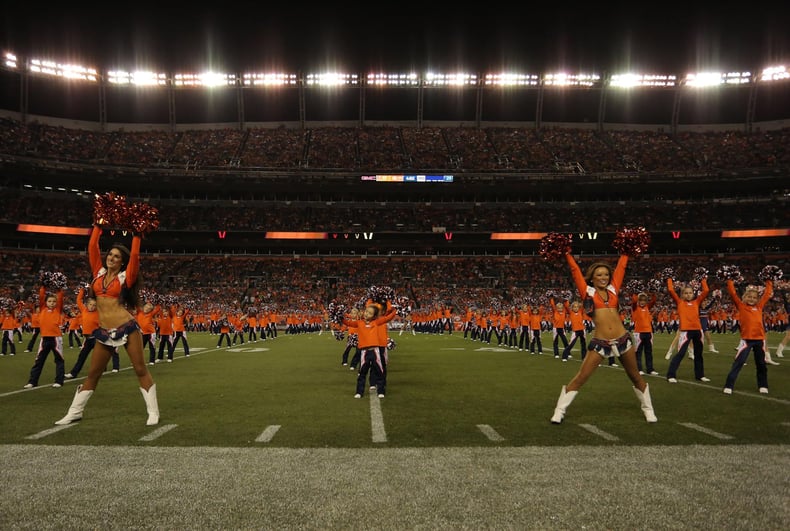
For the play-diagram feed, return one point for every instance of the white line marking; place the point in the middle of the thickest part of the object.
(377, 420)
(268, 433)
(599, 432)
(706, 431)
(158, 432)
(490, 432)
(42, 434)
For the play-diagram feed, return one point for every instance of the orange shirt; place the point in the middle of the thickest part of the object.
(367, 331)
(90, 319)
(146, 320)
(75, 322)
(643, 315)
(50, 319)
(577, 320)
(535, 321)
(165, 324)
(178, 320)
(751, 317)
(688, 311)
(558, 316)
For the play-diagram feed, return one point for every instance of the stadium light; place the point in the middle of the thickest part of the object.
(393, 80)
(562, 79)
(511, 79)
(10, 61)
(457, 79)
(255, 79)
(631, 80)
(331, 79)
(139, 78)
(64, 70)
(774, 73)
(713, 79)
(206, 79)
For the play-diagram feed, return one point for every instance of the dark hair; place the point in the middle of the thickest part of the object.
(130, 296)
(591, 270)
(125, 254)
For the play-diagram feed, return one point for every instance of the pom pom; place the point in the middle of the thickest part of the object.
(668, 272)
(403, 306)
(554, 245)
(147, 295)
(634, 287)
(631, 241)
(391, 344)
(381, 294)
(6, 303)
(700, 273)
(565, 295)
(729, 272)
(53, 280)
(655, 285)
(337, 312)
(109, 209)
(770, 272)
(141, 218)
(353, 340)
(340, 335)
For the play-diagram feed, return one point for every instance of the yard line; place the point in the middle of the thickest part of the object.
(42, 434)
(599, 432)
(490, 432)
(377, 420)
(706, 431)
(268, 433)
(158, 432)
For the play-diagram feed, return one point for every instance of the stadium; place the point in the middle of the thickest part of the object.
(286, 193)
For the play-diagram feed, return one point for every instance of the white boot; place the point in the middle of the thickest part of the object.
(563, 402)
(77, 407)
(768, 359)
(779, 350)
(151, 405)
(647, 404)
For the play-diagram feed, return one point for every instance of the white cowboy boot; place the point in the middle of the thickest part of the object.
(563, 402)
(647, 403)
(77, 407)
(151, 405)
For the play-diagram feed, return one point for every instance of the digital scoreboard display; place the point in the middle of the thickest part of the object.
(403, 178)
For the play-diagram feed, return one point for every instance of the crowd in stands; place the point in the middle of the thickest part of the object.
(57, 208)
(296, 284)
(387, 148)
(286, 283)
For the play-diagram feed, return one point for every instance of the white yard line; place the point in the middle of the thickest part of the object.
(706, 431)
(158, 432)
(490, 432)
(599, 432)
(268, 433)
(50, 431)
(379, 434)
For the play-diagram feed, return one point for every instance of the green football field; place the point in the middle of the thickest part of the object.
(443, 391)
(268, 436)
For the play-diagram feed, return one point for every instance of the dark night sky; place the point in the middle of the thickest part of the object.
(737, 36)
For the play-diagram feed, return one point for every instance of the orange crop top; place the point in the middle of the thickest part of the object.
(125, 278)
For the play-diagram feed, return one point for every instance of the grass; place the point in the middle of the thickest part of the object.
(440, 388)
(436, 470)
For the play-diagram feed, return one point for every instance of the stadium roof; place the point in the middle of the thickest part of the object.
(659, 37)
